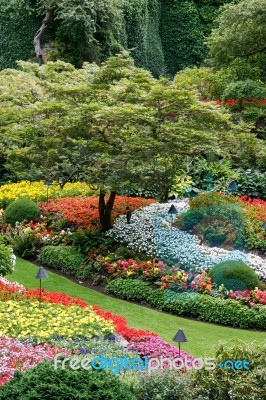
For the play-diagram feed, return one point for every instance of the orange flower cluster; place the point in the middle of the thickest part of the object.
(83, 211)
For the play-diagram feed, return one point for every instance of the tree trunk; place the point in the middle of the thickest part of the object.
(165, 194)
(38, 36)
(105, 210)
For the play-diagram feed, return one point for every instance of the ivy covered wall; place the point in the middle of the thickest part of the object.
(164, 35)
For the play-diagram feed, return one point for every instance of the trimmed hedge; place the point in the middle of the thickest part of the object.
(63, 258)
(202, 307)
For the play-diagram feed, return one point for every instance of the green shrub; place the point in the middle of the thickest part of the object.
(24, 245)
(168, 385)
(190, 219)
(130, 289)
(243, 384)
(193, 305)
(212, 199)
(6, 264)
(235, 275)
(20, 210)
(44, 382)
(92, 241)
(252, 183)
(64, 258)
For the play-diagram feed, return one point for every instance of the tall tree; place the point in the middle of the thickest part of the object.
(102, 124)
(241, 34)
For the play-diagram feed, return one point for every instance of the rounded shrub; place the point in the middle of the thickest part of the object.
(44, 382)
(234, 275)
(23, 209)
(190, 219)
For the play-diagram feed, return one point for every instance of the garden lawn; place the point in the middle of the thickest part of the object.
(201, 336)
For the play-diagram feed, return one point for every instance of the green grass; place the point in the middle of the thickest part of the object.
(201, 336)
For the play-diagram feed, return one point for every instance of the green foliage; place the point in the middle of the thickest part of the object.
(92, 241)
(142, 23)
(212, 199)
(167, 385)
(64, 258)
(191, 305)
(18, 24)
(133, 289)
(252, 183)
(243, 90)
(24, 245)
(189, 219)
(240, 36)
(212, 174)
(20, 210)
(244, 384)
(234, 275)
(44, 382)
(181, 35)
(6, 266)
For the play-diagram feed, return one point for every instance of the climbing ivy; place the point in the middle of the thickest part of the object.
(181, 35)
(165, 35)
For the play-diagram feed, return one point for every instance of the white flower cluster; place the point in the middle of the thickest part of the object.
(17, 285)
(150, 232)
(138, 235)
(13, 258)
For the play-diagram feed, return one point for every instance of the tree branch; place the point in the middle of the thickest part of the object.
(252, 52)
(39, 33)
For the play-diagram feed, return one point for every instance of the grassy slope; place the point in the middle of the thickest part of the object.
(201, 336)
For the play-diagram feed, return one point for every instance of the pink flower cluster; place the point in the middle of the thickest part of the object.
(154, 347)
(15, 355)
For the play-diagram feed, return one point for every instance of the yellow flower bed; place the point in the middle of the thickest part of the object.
(38, 191)
(46, 320)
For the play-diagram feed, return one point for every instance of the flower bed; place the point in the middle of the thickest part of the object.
(37, 191)
(83, 211)
(48, 320)
(152, 233)
(18, 356)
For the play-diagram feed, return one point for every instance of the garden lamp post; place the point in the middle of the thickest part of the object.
(47, 183)
(264, 225)
(41, 274)
(180, 338)
(232, 187)
(128, 215)
(172, 211)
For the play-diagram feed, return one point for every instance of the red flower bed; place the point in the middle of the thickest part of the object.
(121, 327)
(83, 211)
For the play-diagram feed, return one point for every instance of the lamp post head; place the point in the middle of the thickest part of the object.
(180, 337)
(232, 187)
(193, 193)
(172, 210)
(48, 182)
(41, 274)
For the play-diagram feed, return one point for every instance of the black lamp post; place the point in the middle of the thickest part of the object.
(264, 225)
(172, 211)
(128, 215)
(193, 193)
(47, 183)
(41, 274)
(232, 187)
(180, 338)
